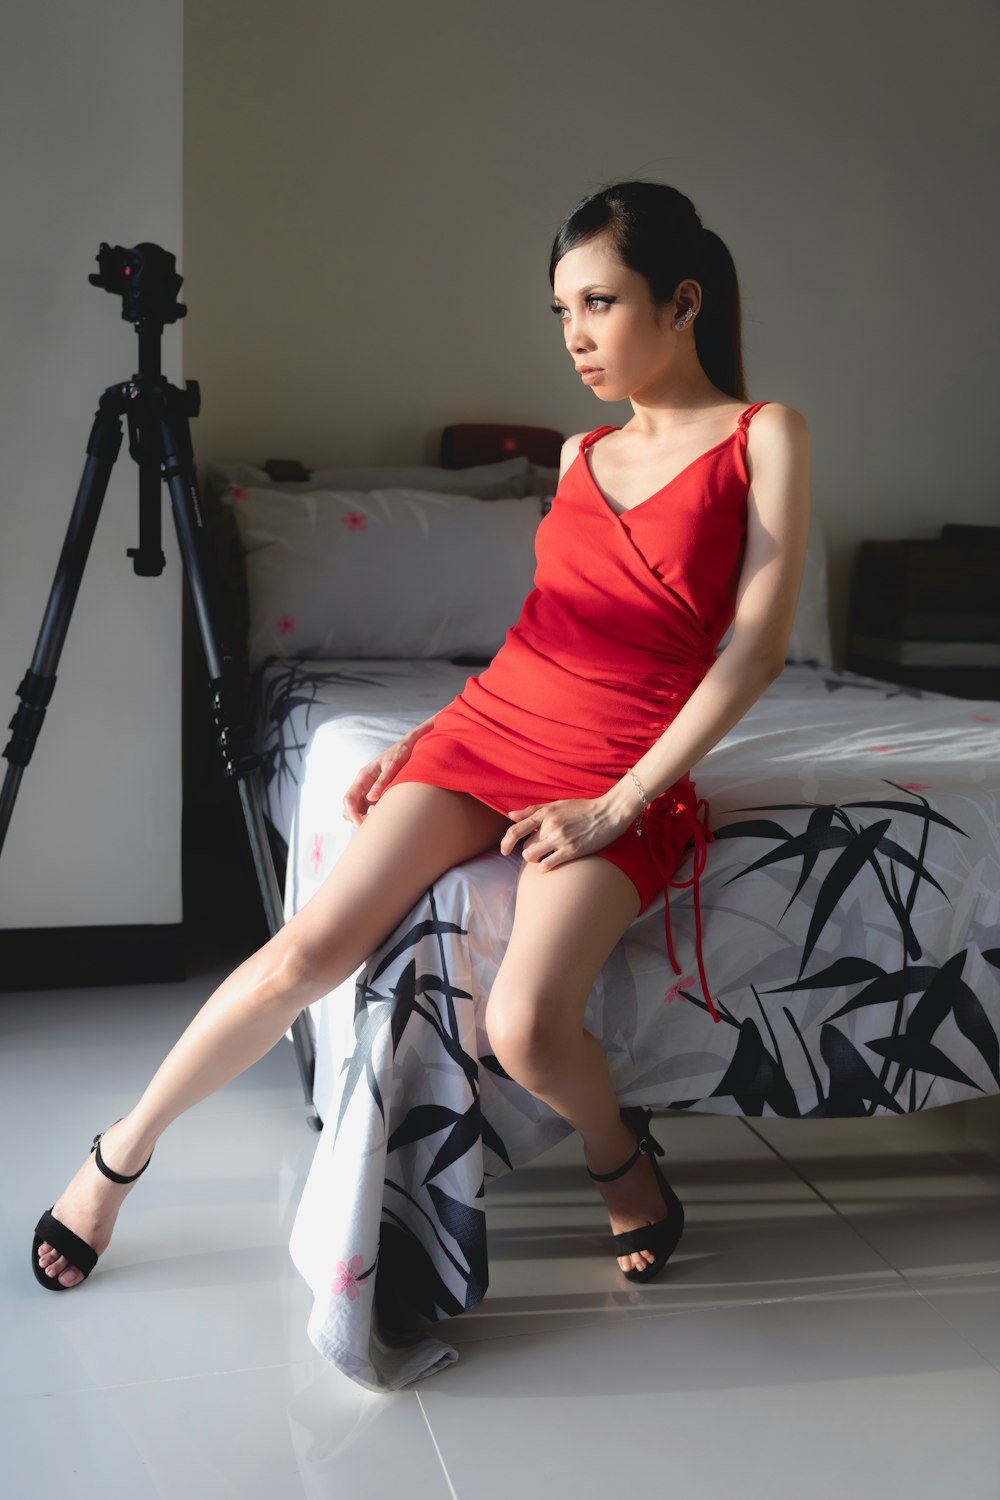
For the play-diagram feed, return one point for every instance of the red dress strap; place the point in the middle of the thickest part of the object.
(590, 437)
(746, 417)
(703, 836)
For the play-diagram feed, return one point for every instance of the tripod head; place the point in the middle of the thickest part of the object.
(144, 278)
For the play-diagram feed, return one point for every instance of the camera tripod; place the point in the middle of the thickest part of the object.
(160, 443)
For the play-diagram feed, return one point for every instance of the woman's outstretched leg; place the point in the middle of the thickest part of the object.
(413, 834)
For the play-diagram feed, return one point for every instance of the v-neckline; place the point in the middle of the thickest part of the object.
(615, 516)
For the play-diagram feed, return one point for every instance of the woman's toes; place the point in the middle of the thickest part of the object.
(61, 1270)
(637, 1261)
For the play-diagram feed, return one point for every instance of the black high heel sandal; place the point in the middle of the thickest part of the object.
(663, 1236)
(54, 1232)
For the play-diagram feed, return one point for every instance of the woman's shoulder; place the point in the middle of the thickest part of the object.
(777, 416)
(570, 449)
(572, 443)
(778, 434)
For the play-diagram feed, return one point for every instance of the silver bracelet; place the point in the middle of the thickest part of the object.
(645, 804)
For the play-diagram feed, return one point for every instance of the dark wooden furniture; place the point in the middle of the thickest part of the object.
(926, 613)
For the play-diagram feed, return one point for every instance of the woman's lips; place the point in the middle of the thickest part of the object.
(589, 376)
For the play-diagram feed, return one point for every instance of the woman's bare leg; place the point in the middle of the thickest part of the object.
(409, 837)
(567, 920)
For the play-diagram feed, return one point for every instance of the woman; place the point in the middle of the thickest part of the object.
(662, 533)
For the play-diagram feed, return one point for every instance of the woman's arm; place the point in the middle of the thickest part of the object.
(778, 507)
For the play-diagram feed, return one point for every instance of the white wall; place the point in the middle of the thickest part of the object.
(371, 192)
(91, 137)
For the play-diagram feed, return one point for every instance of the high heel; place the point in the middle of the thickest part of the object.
(663, 1236)
(54, 1232)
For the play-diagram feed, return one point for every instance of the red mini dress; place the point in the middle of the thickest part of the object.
(620, 628)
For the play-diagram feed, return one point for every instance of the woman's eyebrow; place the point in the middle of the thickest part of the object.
(583, 291)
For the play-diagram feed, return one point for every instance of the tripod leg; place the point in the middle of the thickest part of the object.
(227, 680)
(37, 686)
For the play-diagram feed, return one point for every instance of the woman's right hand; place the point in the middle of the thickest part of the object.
(367, 786)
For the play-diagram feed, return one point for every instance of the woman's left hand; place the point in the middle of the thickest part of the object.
(556, 832)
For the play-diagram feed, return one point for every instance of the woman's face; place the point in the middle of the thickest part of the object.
(611, 323)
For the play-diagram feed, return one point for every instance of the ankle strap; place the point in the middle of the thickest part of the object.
(102, 1164)
(640, 1150)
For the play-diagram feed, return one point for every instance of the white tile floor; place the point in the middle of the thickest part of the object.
(829, 1326)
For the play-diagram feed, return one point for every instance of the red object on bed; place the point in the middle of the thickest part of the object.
(467, 443)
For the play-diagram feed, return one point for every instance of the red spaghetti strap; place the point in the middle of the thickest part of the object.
(590, 437)
(670, 940)
(703, 836)
(746, 416)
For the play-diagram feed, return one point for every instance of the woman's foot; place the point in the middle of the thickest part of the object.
(89, 1204)
(633, 1199)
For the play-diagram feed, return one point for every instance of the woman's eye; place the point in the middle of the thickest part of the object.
(559, 310)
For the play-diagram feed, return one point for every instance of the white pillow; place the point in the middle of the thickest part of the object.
(383, 573)
(508, 479)
(810, 638)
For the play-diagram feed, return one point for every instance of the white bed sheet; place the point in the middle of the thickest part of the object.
(851, 919)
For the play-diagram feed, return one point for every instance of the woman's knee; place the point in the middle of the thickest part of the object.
(284, 971)
(408, 839)
(523, 1031)
(306, 961)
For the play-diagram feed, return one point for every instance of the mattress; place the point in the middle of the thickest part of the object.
(851, 919)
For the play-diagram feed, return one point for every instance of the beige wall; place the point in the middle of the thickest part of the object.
(371, 191)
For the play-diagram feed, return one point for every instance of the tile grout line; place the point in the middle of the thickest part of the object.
(818, 1193)
(736, 1304)
(447, 1477)
(956, 1328)
(928, 1304)
(128, 1385)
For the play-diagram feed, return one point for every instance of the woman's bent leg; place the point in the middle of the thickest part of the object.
(410, 836)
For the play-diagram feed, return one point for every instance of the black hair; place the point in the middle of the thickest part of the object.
(655, 230)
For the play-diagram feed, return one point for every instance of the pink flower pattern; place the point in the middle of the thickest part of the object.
(347, 1278)
(286, 625)
(317, 852)
(984, 719)
(355, 522)
(673, 992)
(916, 786)
(891, 749)
(237, 492)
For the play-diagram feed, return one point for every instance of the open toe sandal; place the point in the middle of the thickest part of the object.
(54, 1232)
(663, 1236)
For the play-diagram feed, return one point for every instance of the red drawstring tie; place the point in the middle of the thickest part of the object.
(703, 836)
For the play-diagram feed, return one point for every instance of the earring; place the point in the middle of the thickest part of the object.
(686, 318)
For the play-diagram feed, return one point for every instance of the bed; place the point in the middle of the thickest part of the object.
(850, 900)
